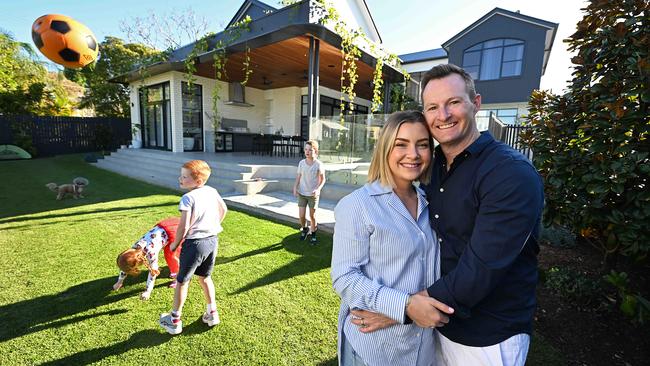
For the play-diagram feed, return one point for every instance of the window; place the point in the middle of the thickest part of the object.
(155, 114)
(494, 59)
(192, 117)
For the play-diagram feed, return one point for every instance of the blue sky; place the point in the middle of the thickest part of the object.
(405, 26)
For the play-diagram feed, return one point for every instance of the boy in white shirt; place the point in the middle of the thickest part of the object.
(202, 211)
(310, 179)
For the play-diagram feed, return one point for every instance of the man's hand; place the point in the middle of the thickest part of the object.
(428, 312)
(369, 322)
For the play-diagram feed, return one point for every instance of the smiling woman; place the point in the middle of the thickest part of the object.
(385, 251)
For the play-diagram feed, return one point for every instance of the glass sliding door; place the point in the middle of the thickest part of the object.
(155, 108)
(192, 117)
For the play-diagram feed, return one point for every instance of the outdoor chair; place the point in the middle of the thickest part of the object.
(296, 145)
(262, 145)
(281, 145)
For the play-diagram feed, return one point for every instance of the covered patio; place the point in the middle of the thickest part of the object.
(295, 80)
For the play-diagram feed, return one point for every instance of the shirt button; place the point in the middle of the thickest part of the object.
(439, 240)
(442, 189)
(436, 216)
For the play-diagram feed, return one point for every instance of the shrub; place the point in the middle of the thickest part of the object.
(591, 144)
(573, 285)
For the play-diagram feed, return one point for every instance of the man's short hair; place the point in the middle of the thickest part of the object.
(442, 70)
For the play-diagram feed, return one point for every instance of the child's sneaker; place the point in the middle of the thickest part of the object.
(303, 233)
(173, 284)
(211, 319)
(172, 327)
(312, 240)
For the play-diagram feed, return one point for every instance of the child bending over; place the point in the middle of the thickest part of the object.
(145, 253)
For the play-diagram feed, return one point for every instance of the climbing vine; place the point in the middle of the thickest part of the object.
(350, 53)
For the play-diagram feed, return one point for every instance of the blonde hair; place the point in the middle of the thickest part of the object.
(199, 169)
(379, 168)
(130, 261)
(313, 144)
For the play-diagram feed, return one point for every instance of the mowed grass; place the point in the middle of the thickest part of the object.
(274, 294)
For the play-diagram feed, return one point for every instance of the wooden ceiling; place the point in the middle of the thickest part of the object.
(285, 64)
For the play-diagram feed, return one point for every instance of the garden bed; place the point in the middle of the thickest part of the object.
(576, 314)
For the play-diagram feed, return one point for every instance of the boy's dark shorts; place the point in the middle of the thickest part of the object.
(197, 258)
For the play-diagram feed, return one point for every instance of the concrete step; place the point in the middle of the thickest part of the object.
(163, 178)
(283, 207)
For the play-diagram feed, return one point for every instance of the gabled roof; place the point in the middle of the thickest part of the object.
(371, 21)
(551, 29)
(426, 55)
(254, 8)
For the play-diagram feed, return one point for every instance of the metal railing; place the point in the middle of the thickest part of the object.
(509, 134)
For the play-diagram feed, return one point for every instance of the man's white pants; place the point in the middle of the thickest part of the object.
(511, 352)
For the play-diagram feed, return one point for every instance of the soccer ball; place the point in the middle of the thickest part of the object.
(64, 40)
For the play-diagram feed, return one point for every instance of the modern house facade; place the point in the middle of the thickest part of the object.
(296, 70)
(505, 52)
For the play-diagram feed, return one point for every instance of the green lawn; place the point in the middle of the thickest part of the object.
(274, 294)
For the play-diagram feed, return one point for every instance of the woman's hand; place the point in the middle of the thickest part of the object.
(369, 322)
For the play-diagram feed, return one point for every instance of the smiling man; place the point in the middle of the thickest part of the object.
(485, 204)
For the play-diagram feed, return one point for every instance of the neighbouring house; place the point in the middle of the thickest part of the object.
(295, 84)
(505, 52)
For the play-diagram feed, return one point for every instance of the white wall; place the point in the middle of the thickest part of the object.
(424, 65)
(284, 109)
(355, 15)
(254, 115)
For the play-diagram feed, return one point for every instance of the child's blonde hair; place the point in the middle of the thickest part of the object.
(313, 144)
(199, 169)
(130, 261)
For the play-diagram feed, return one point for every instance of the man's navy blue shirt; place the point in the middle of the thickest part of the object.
(486, 211)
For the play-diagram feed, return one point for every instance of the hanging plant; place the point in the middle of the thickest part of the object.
(351, 53)
(247, 66)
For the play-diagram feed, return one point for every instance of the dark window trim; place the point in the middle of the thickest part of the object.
(502, 47)
(166, 97)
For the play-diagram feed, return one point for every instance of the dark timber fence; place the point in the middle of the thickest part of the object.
(64, 135)
(509, 134)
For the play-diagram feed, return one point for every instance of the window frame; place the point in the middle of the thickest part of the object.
(481, 48)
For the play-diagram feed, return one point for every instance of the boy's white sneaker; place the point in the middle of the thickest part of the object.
(166, 321)
(211, 319)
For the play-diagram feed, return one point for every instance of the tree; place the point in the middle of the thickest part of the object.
(116, 58)
(591, 144)
(25, 87)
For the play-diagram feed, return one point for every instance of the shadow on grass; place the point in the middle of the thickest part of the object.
(311, 258)
(76, 213)
(53, 311)
(142, 339)
(331, 362)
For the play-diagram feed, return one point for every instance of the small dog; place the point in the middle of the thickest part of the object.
(75, 189)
